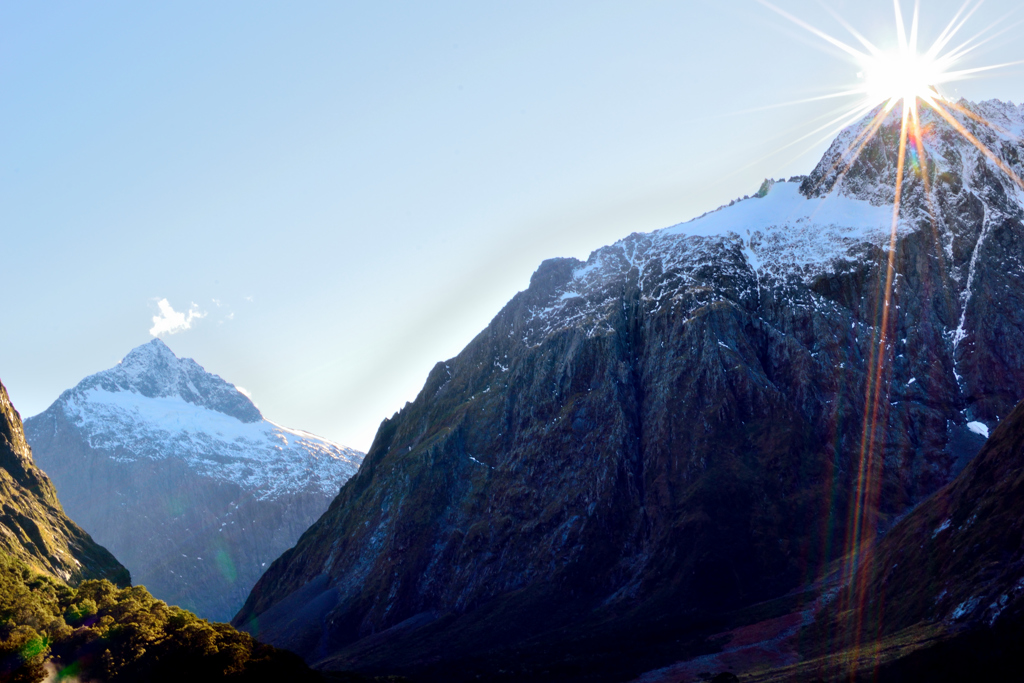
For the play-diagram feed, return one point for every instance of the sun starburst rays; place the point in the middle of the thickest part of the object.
(904, 72)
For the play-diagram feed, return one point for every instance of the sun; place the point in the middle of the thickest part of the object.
(905, 73)
(900, 75)
(909, 76)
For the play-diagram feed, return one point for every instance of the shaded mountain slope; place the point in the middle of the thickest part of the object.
(943, 591)
(179, 474)
(671, 429)
(33, 526)
(958, 559)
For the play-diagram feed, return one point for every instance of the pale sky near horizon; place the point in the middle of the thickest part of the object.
(345, 193)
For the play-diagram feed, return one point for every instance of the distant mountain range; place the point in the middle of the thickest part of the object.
(180, 476)
(643, 469)
(642, 448)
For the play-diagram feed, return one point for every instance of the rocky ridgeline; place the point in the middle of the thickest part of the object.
(672, 429)
(179, 474)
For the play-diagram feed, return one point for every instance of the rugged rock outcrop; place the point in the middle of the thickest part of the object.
(33, 526)
(673, 428)
(178, 473)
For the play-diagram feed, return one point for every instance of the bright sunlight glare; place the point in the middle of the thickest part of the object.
(893, 76)
(903, 73)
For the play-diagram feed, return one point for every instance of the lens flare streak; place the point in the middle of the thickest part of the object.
(909, 78)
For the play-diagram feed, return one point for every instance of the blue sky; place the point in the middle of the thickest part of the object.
(345, 193)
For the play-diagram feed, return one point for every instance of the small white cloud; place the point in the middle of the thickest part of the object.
(245, 392)
(216, 302)
(231, 315)
(249, 299)
(171, 321)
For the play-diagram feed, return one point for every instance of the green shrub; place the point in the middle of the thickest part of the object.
(100, 632)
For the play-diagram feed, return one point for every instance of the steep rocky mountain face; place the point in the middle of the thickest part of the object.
(33, 526)
(673, 428)
(179, 474)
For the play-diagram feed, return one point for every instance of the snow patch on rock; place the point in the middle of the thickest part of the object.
(978, 428)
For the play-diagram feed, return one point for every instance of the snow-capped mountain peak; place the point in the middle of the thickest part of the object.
(154, 405)
(153, 371)
(863, 166)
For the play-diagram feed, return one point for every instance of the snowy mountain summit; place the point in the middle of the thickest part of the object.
(152, 370)
(182, 478)
(792, 234)
(155, 405)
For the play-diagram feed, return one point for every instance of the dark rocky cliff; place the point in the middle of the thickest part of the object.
(671, 429)
(33, 526)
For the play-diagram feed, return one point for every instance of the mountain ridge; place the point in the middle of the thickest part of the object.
(956, 559)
